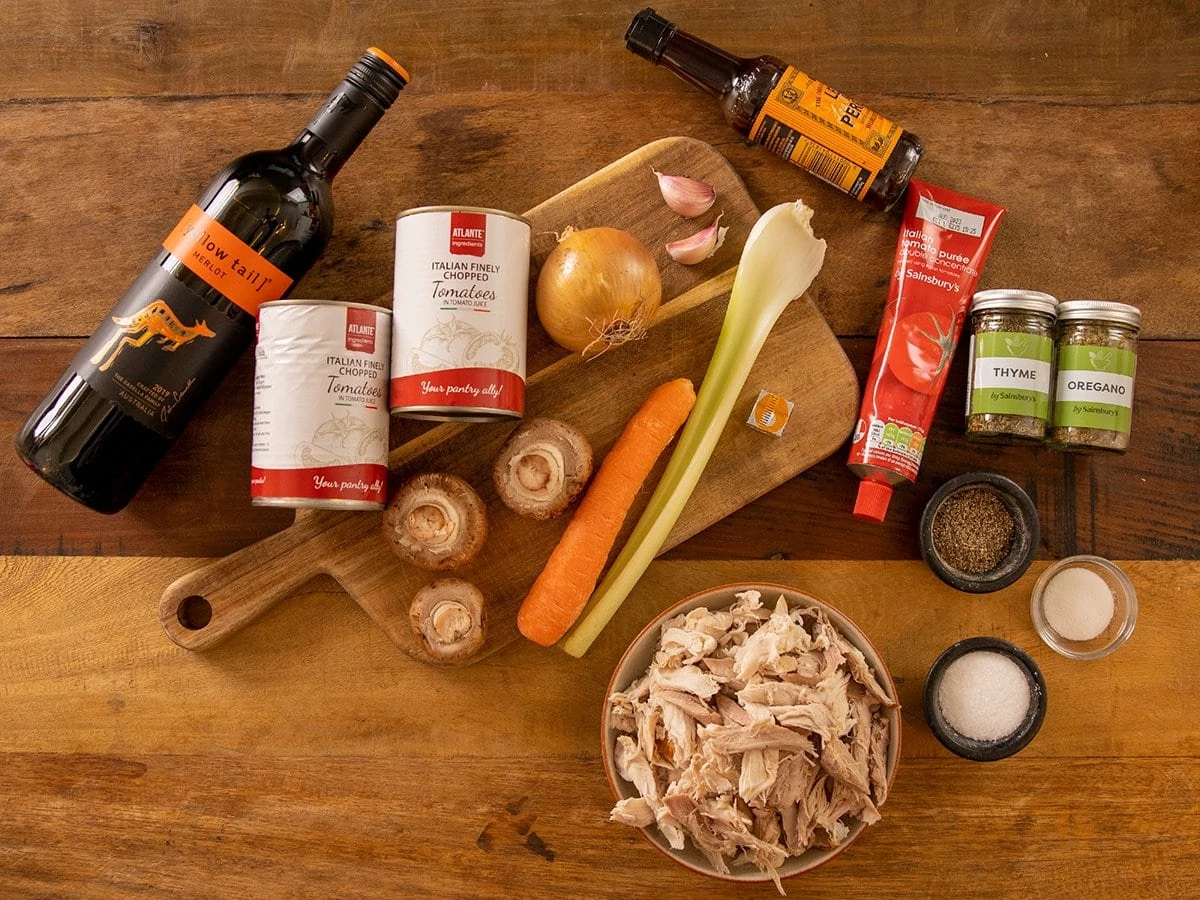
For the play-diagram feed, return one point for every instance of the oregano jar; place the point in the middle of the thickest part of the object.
(1096, 355)
(1011, 361)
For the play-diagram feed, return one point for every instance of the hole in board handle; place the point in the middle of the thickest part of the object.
(194, 612)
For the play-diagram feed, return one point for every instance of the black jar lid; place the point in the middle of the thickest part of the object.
(1026, 533)
(972, 748)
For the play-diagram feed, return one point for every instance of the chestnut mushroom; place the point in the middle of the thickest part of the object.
(447, 615)
(436, 521)
(542, 467)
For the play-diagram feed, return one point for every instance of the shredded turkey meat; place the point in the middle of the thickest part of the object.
(756, 733)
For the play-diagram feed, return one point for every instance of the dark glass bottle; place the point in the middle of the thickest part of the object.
(190, 313)
(806, 122)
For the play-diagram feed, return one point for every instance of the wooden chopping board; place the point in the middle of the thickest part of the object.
(801, 360)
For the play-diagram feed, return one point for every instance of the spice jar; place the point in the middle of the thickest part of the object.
(1096, 354)
(1011, 354)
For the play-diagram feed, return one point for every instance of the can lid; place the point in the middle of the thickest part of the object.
(1007, 298)
(1102, 310)
(872, 500)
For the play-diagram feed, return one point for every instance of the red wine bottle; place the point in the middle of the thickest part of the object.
(191, 312)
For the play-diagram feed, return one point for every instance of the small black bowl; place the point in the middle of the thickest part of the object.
(1026, 534)
(970, 748)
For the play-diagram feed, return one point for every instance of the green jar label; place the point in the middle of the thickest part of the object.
(1011, 374)
(1094, 388)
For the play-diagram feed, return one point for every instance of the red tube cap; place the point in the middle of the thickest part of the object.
(872, 500)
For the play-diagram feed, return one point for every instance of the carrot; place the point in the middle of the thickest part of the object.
(562, 589)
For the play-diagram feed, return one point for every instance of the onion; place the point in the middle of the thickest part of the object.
(599, 287)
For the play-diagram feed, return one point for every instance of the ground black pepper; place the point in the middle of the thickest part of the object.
(973, 530)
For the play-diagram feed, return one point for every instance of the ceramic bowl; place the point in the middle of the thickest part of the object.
(977, 750)
(1125, 607)
(1026, 533)
(637, 659)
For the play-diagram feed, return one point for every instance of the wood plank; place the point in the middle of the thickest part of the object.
(85, 667)
(1095, 223)
(1135, 506)
(226, 825)
(1018, 49)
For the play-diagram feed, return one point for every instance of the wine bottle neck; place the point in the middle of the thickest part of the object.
(334, 133)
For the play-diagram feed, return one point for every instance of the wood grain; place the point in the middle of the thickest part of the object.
(801, 360)
(1101, 222)
(1137, 506)
(307, 754)
(87, 669)
(114, 48)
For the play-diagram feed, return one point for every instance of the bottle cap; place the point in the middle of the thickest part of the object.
(647, 34)
(872, 500)
(378, 76)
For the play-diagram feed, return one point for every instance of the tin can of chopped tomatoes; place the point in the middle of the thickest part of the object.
(461, 304)
(320, 405)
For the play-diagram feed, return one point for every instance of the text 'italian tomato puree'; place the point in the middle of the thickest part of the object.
(320, 405)
(461, 308)
(944, 240)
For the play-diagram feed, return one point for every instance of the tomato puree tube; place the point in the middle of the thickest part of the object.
(944, 239)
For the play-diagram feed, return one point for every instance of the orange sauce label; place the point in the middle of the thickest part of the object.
(226, 262)
(825, 132)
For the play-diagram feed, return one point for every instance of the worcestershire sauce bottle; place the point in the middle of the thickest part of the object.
(191, 312)
(776, 105)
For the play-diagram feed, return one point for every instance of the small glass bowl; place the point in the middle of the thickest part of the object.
(1124, 609)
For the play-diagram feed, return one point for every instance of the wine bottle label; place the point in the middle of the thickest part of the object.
(226, 262)
(161, 352)
(825, 133)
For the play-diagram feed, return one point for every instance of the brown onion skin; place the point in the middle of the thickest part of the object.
(592, 277)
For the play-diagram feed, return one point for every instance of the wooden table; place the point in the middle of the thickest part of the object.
(306, 756)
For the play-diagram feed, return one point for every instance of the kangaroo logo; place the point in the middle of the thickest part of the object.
(156, 320)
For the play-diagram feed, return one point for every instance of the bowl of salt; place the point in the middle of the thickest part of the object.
(985, 699)
(1084, 607)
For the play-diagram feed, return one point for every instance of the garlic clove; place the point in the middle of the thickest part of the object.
(700, 246)
(686, 196)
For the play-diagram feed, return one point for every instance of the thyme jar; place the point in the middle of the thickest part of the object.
(1096, 354)
(1011, 353)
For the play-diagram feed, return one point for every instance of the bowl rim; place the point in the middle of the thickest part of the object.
(1050, 638)
(751, 875)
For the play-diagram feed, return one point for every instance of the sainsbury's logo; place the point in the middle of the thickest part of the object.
(468, 233)
(360, 330)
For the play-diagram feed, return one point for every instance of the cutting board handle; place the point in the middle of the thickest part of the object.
(206, 606)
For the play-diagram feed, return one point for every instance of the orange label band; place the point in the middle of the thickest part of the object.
(225, 262)
(825, 132)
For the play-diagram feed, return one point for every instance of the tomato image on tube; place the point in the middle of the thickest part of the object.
(944, 240)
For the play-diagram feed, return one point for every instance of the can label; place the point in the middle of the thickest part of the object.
(320, 408)
(461, 307)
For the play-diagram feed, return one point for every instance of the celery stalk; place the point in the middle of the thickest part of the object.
(779, 262)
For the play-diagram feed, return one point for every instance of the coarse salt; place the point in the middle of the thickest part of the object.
(1078, 604)
(984, 695)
